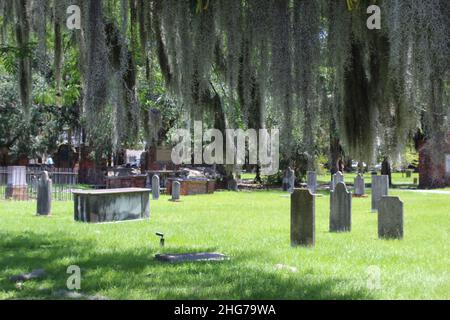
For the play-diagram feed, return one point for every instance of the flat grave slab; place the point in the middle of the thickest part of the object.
(191, 257)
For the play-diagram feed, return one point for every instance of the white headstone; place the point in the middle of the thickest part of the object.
(17, 176)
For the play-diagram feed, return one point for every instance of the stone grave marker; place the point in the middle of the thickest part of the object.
(312, 181)
(380, 188)
(44, 195)
(390, 218)
(360, 187)
(155, 187)
(290, 180)
(176, 191)
(340, 209)
(16, 188)
(337, 177)
(303, 212)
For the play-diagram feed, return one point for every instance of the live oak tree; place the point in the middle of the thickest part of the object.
(308, 67)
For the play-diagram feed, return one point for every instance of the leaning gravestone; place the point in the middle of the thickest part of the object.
(312, 181)
(337, 177)
(44, 195)
(176, 191)
(380, 188)
(360, 187)
(155, 187)
(390, 218)
(340, 209)
(303, 212)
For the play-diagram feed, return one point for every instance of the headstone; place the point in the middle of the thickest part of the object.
(176, 191)
(312, 181)
(303, 224)
(337, 177)
(290, 175)
(155, 187)
(360, 187)
(390, 218)
(44, 195)
(380, 188)
(17, 183)
(148, 182)
(340, 209)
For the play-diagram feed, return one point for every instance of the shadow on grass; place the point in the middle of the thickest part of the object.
(135, 274)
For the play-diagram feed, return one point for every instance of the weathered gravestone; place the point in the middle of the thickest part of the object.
(44, 195)
(390, 218)
(380, 188)
(155, 187)
(290, 175)
(176, 191)
(340, 209)
(311, 181)
(360, 187)
(303, 216)
(337, 177)
(16, 188)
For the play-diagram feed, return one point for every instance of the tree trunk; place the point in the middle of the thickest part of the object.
(386, 169)
(23, 42)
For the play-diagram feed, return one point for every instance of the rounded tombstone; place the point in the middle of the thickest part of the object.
(44, 196)
(176, 191)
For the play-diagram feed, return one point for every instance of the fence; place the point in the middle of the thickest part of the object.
(64, 181)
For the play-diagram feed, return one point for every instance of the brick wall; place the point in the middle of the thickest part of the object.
(193, 187)
(126, 182)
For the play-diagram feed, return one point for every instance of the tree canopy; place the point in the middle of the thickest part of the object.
(309, 67)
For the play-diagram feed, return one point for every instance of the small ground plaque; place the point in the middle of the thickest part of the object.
(191, 257)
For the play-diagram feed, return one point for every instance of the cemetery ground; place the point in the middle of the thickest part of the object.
(252, 228)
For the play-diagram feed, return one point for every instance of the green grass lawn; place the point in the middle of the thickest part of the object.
(252, 228)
